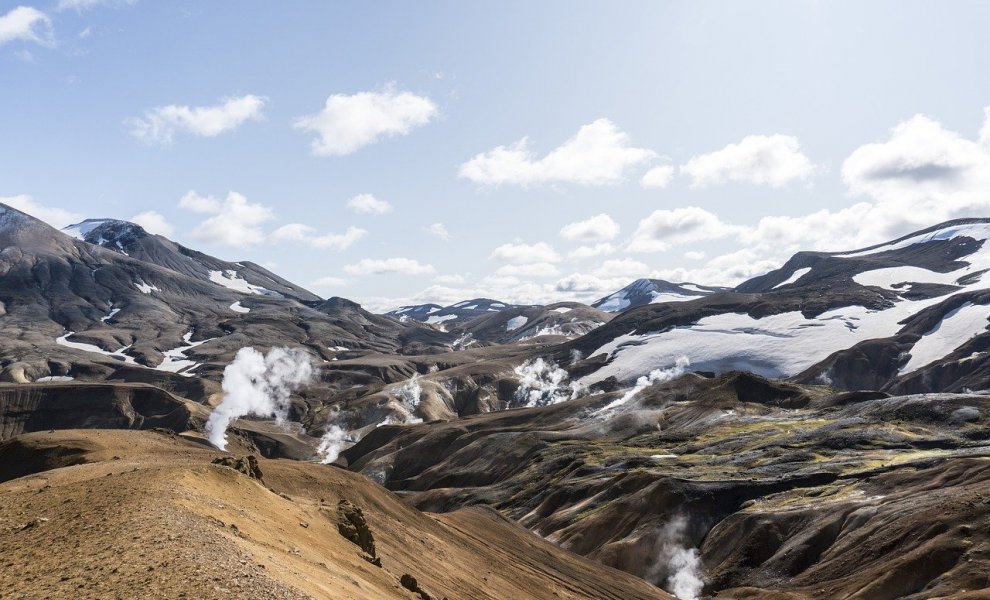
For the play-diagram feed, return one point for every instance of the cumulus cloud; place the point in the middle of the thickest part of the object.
(400, 265)
(81, 5)
(657, 177)
(330, 282)
(449, 279)
(582, 252)
(195, 202)
(586, 285)
(921, 175)
(622, 267)
(542, 269)
(665, 228)
(56, 217)
(727, 269)
(235, 221)
(348, 123)
(160, 124)
(599, 228)
(27, 24)
(921, 158)
(773, 160)
(438, 230)
(985, 130)
(154, 222)
(518, 253)
(599, 154)
(297, 232)
(369, 205)
(695, 255)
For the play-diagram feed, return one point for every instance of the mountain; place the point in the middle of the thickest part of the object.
(651, 291)
(909, 315)
(732, 486)
(95, 514)
(434, 314)
(126, 304)
(554, 322)
(132, 240)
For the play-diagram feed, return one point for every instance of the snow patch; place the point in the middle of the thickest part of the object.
(797, 274)
(175, 360)
(230, 279)
(146, 288)
(955, 329)
(119, 354)
(434, 320)
(236, 307)
(515, 323)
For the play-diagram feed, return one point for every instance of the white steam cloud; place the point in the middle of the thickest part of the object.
(541, 383)
(655, 376)
(333, 443)
(260, 385)
(678, 565)
(409, 395)
(337, 437)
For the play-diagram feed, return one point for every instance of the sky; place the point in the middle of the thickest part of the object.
(398, 152)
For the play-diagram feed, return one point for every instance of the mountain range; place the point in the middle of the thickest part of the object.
(818, 431)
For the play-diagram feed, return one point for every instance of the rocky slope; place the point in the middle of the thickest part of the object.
(733, 486)
(652, 291)
(133, 306)
(907, 316)
(156, 515)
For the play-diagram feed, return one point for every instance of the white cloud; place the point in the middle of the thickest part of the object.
(297, 232)
(519, 253)
(26, 24)
(160, 124)
(665, 228)
(726, 270)
(985, 130)
(350, 122)
(657, 177)
(582, 252)
(368, 204)
(598, 154)
(235, 221)
(154, 222)
(200, 204)
(56, 217)
(330, 282)
(774, 160)
(449, 279)
(695, 255)
(542, 269)
(622, 267)
(923, 174)
(584, 284)
(599, 228)
(81, 5)
(438, 230)
(400, 265)
(920, 159)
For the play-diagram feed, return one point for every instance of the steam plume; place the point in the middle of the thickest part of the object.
(679, 565)
(655, 376)
(541, 382)
(259, 385)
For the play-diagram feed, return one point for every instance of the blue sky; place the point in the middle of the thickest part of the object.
(766, 127)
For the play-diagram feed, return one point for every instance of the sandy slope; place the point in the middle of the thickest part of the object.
(147, 515)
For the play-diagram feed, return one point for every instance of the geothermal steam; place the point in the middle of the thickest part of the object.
(679, 565)
(655, 376)
(541, 382)
(260, 385)
(338, 437)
